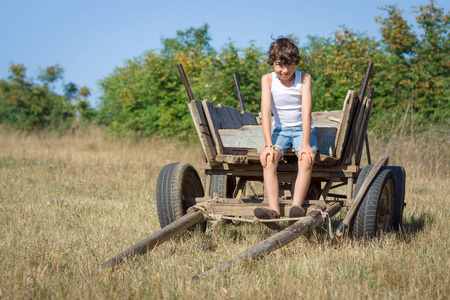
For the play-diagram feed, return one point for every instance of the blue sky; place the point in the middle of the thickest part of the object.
(91, 38)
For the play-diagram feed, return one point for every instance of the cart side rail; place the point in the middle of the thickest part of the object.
(203, 131)
(352, 150)
(208, 119)
(225, 117)
(349, 109)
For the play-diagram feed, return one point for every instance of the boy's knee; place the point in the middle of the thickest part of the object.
(276, 159)
(304, 164)
(271, 166)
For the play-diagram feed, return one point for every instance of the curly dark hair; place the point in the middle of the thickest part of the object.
(285, 50)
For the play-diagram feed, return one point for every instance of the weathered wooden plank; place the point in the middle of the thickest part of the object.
(253, 155)
(247, 209)
(235, 114)
(249, 118)
(350, 148)
(252, 136)
(249, 199)
(219, 115)
(344, 119)
(208, 107)
(226, 118)
(326, 137)
(254, 169)
(343, 132)
(359, 129)
(231, 117)
(232, 159)
(346, 127)
(364, 132)
(234, 117)
(245, 137)
(325, 160)
(209, 110)
(201, 126)
(325, 190)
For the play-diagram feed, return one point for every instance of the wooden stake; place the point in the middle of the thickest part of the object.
(156, 239)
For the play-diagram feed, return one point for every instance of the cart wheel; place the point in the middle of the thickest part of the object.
(177, 187)
(399, 198)
(223, 185)
(361, 177)
(374, 215)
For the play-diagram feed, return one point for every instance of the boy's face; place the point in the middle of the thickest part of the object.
(284, 72)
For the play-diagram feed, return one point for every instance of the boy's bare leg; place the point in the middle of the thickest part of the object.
(271, 182)
(302, 181)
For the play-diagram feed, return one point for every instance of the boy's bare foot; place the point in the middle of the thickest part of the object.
(267, 214)
(296, 212)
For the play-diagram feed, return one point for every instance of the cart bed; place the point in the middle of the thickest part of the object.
(229, 136)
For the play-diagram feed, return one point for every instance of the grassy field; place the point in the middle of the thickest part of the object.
(108, 187)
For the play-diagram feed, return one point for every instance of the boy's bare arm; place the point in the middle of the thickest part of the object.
(266, 98)
(306, 119)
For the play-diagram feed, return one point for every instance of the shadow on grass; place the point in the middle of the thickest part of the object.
(411, 225)
(415, 224)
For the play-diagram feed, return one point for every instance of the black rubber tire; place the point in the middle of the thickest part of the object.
(223, 185)
(176, 189)
(399, 198)
(362, 176)
(377, 205)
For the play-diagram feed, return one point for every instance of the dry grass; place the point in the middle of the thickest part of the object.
(47, 250)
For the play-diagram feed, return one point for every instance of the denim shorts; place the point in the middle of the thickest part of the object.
(285, 138)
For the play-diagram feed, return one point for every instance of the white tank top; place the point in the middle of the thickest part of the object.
(287, 102)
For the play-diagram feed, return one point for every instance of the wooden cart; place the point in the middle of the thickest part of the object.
(232, 141)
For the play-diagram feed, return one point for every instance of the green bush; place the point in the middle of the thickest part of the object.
(25, 105)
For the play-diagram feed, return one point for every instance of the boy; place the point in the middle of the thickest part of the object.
(287, 93)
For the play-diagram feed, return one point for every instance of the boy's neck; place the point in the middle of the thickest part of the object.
(288, 82)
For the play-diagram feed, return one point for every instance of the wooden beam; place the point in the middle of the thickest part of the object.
(325, 190)
(213, 123)
(347, 119)
(348, 156)
(363, 135)
(255, 170)
(156, 239)
(201, 125)
(246, 209)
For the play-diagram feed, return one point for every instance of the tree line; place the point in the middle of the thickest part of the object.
(32, 104)
(146, 95)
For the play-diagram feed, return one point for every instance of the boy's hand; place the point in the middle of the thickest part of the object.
(266, 154)
(307, 152)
